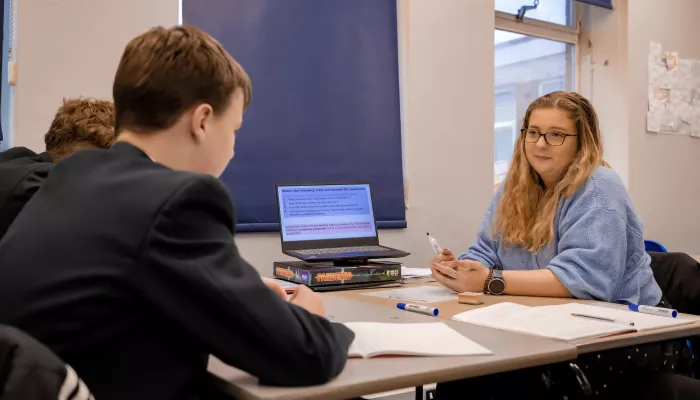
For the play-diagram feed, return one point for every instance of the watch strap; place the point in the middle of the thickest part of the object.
(488, 279)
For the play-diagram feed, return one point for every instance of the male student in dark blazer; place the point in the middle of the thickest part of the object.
(124, 263)
(78, 124)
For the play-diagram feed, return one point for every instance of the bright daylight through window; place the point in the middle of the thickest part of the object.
(532, 58)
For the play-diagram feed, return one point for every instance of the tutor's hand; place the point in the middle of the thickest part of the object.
(275, 287)
(308, 300)
(445, 256)
(460, 276)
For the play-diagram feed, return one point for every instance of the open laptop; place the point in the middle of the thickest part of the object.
(330, 222)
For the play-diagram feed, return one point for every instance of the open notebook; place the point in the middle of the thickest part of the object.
(557, 322)
(374, 339)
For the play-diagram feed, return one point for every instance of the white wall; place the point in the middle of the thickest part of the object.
(602, 78)
(664, 169)
(72, 47)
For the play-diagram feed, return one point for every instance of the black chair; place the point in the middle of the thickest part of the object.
(678, 275)
(30, 371)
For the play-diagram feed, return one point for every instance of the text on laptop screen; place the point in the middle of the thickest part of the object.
(324, 212)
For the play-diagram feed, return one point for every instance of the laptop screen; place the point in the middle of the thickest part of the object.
(323, 212)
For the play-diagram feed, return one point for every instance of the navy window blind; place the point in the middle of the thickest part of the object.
(325, 99)
(599, 3)
(2, 63)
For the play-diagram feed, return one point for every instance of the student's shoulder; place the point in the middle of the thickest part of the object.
(15, 153)
(607, 183)
(139, 175)
(200, 186)
(605, 190)
(182, 186)
(197, 198)
(24, 168)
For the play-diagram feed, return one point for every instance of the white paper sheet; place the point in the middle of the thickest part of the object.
(535, 321)
(642, 322)
(557, 322)
(673, 92)
(407, 272)
(417, 294)
(695, 128)
(670, 121)
(653, 121)
(427, 339)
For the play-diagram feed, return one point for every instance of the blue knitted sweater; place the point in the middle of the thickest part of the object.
(598, 247)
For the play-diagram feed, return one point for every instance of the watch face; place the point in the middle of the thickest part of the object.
(497, 286)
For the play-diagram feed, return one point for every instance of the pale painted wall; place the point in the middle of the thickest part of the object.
(71, 47)
(664, 169)
(602, 78)
(662, 172)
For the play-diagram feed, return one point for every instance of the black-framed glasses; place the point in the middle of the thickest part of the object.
(554, 138)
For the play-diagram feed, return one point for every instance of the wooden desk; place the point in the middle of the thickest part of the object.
(449, 309)
(361, 377)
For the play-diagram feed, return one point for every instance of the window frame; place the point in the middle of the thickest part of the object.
(540, 29)
(512, 124)
(547, 30)
(544, 30)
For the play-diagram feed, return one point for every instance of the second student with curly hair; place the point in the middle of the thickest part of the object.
(79, 124)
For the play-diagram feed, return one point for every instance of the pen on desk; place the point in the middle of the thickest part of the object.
(664, 312)
(419, 309)
(434, 243)
(616, 321)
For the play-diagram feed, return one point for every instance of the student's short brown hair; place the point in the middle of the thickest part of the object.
(80, 123)
(166, 71)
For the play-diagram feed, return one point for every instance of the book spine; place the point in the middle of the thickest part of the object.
(292, 274)
(336, 276)
(355, 275)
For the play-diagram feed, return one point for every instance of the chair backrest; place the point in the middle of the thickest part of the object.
(30, 371)
(650, 245)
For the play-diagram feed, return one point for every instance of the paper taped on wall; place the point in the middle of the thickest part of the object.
(674, 93)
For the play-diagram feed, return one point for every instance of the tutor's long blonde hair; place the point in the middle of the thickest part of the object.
(526, 212)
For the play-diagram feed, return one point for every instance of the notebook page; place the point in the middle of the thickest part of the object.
(422, 339)
(407, 272)
(538, 321)
(642, 322)
(354, 350)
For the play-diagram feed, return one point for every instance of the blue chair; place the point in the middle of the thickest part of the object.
(650, 245)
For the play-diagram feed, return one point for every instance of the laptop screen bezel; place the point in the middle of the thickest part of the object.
(326, 243)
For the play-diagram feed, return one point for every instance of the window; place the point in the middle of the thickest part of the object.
(550, 86)
(505, 135)
(532, 58)
(554, 11)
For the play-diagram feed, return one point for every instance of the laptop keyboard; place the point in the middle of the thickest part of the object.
(336, 250)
